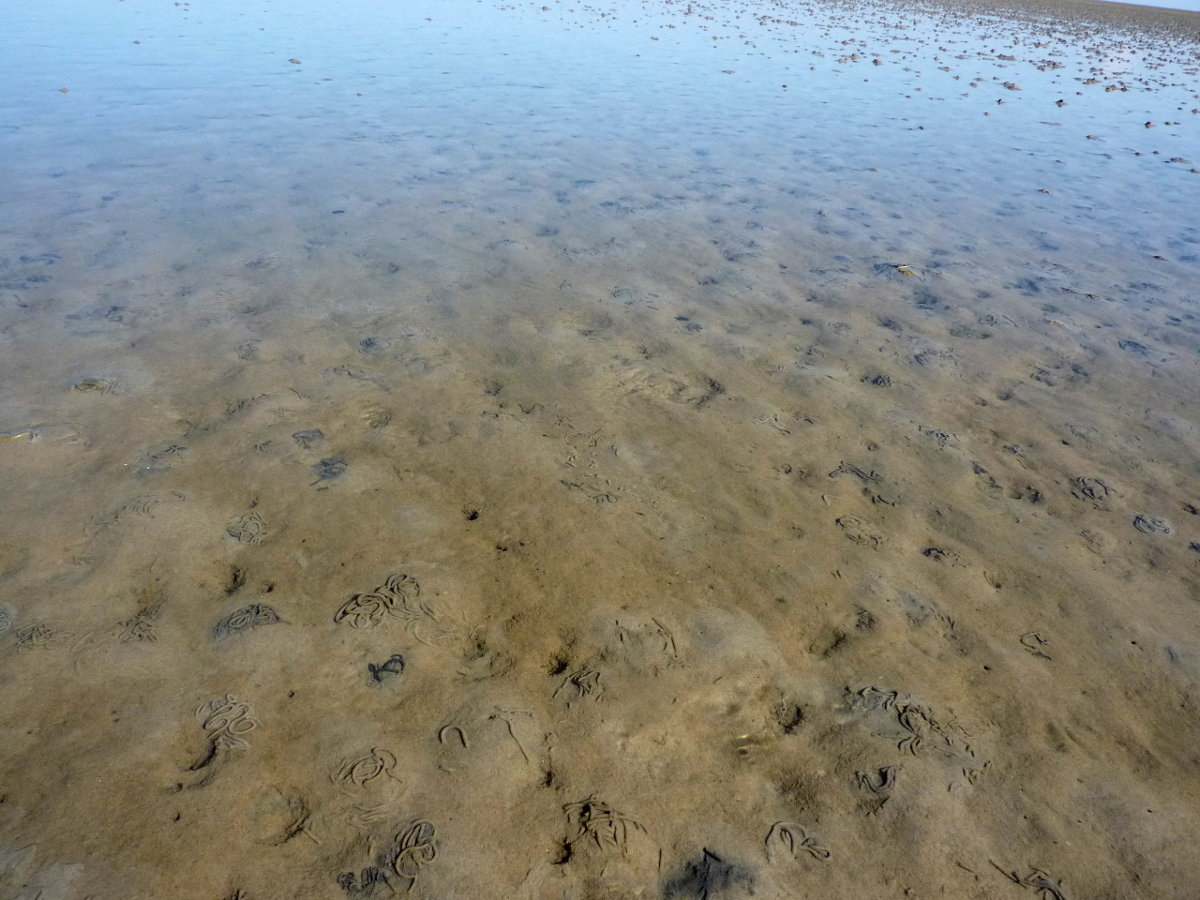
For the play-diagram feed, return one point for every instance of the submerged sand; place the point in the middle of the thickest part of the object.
(632, 520)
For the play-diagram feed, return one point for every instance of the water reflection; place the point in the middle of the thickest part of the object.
(745, 425)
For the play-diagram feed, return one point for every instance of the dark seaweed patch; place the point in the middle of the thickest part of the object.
(308, 437)
(703, 877)
(330, 467)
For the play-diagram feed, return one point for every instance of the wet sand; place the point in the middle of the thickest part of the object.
(601, 471)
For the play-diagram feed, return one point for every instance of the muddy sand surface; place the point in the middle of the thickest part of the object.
(535, 452)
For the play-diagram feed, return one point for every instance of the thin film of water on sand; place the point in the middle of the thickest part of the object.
(671, 451)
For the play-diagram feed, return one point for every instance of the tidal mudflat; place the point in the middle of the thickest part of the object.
(551, 450)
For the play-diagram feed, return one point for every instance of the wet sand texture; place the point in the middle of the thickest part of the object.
(667, 451)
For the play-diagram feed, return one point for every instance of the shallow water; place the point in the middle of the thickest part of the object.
(572, 451)
(1189, 5)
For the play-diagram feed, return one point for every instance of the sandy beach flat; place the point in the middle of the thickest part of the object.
(650, 450)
